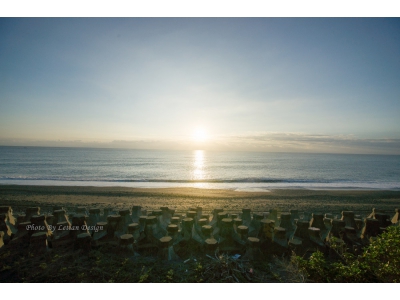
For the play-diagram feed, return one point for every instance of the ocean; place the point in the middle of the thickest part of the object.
(246, 171)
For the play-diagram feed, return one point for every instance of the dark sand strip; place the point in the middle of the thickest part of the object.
(322, 201)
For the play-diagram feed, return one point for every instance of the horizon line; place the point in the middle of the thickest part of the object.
(206, 150)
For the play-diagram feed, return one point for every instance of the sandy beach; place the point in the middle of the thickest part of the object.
(312, 201)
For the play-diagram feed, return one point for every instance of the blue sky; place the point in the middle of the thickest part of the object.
(265, 84)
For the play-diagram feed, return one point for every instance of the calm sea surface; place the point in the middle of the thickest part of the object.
(202, 169)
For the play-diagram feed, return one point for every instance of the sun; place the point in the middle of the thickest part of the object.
(199, 135)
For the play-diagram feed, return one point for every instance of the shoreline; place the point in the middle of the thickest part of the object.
(313, 201)
(248, 186)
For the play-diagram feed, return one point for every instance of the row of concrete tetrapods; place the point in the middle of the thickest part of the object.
(173, 236)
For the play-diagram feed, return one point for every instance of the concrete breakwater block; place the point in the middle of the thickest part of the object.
(294, 215)
(207, 230)
(191, 214)
(396, 217)
(5, 229)
(214, 218)
(286, 222)
(255, 225)
(280, 237)
(237, 222)
(187, 226)
(351, 239)
(78, 225)
(133, 229)
(301, 231)
(253, 251)
(316, 239)
(10, 220)
(348, 218)
(226, 240)
(30, 211)
(273, 215)
(166, 251)
(81, 210)
(371, 229)
(243, 234)
(83, 241)
(60, 216)
(317, 221)
(246, 216)
(190, 233)
(267, 229)
(384, 219)
(113, 222)
(38, 242)
(136, 213)
(147, 238)
(210, 246)
(296, 246)
(337, 229)
(126, 241)
(101, 236)
(94, 218)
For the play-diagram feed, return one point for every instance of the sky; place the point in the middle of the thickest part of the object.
(249, 84)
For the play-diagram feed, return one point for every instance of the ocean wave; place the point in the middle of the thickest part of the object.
(204, 181)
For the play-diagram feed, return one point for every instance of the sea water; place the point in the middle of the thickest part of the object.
(249, 171)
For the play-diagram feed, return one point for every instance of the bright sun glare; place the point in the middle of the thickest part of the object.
(199, 135)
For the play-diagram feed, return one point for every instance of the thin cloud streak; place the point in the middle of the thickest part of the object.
(262, 142)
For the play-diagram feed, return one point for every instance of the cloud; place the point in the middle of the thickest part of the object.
(259, 141)
(302, 142)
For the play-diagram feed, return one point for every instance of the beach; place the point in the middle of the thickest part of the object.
(362, 202)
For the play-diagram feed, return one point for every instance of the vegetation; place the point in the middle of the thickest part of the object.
(109, 264)
(379, 262)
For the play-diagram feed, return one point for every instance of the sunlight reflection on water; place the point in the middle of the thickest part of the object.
(198, 172)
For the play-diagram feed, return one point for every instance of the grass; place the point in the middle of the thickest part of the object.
(109, 264)
(379, 262)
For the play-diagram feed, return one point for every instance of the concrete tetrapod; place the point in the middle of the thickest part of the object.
(126, 242)
(133, 229)
(30, 211)
(136, 213)
(206, 230)
(214, 219)
(81, 210)
(226, 241)
(38, 242)
(286, 222)
(242, 235)
(5, 229)
(273, 215)
(337, 229)
(279, 245)
(370, 230)
(166, 251)
(316, 239)
(384, 219)
(83, 242)
(236, 223)
(294, 215)
(10, 219)
(255, 225)
(246, 216)
(348, 218)
(94, 218)
(102, 235)
(253, 251)
(351, 239)
(396, 217)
